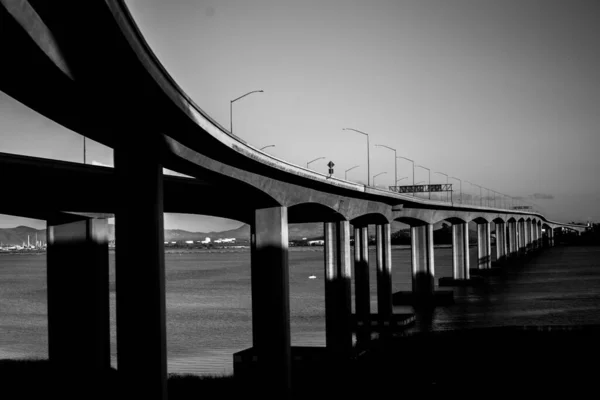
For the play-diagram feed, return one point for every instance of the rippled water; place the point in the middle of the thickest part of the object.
(209, 304)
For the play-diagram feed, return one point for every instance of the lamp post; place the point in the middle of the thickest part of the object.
(395, 160)
(318, 158)
(441, 173)
(429, 184)
(231, 107)
(474, 184)
(84, 149)
(368, 161)
(264, 147)
(349, 169)
(413, 166)
(460, 199)
(375, 176)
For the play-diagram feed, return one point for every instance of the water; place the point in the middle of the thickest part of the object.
(209, 301)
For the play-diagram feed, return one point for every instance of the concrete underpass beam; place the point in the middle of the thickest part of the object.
(384, 272)
(500, 242)
(362, 291)
(484, 253)
(271, 300)
(140, 275)
(423, 271)
(460, 251)
(338, 275)
(78, 301)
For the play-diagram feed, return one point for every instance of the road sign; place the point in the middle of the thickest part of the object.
(330, 164)
(446, 187)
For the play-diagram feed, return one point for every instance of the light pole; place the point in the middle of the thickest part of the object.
(429, 184)
(319, 158)
(231, 107)
(349, 169)
(413, 165)
(474, 184)
(375, 176)
(84, 149)
(441, 173)
(271, 145)
(368, 161)
(395, 160)
(460, 199)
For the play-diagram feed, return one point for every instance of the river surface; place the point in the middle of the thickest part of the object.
(209, 304)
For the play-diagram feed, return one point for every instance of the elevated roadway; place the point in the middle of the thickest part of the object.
(86, 66)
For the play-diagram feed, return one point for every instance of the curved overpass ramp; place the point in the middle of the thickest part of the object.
(86, 66)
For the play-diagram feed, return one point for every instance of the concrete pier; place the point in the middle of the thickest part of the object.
(338, 301)
(501, 242)
(484, 246)
(384, 272)
(271, 300)
(362, 292)
(423, 270)
(78, 301)
(460, 251)
(140, 275)
(512, 238)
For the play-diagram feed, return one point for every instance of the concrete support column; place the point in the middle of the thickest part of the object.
(384, 273)
(338, 275)
(521, 229)
(460, 251)
(539, 235)
(512, 239)
(484, 250)
(78, 301)
(271, 299)
(551, 237)
(529, 235)
(500, 242)
(140, 274)
(362, 292)
(423, 271)
(534, 235)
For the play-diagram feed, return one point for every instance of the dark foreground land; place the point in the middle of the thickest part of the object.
(511, 361)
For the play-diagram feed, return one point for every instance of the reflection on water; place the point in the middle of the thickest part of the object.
(209, 302)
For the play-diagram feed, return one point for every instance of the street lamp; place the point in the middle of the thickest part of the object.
(460, 199)
(429, 184)
(346, 171)
(368, 162)
(413, 165)
(395, 160)
(231, 107)
(319, 158)
(271, 145)
(375, 176)
(441, 173)
(474, 184)
(84, 149)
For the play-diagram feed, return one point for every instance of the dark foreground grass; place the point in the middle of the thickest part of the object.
(507, 362)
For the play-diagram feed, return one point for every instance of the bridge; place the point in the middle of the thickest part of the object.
(87, 67)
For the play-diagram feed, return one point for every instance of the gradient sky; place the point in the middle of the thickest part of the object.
(505, 94)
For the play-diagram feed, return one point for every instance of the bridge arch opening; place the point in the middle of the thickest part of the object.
(23, 285)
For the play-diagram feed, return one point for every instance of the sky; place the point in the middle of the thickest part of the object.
(504, 94)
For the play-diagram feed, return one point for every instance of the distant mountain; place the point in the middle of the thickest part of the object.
(18, 235)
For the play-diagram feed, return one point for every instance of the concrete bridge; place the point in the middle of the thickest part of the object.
(87, 67)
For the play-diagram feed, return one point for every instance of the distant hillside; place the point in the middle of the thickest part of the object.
(400, 232)
(18, 235)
